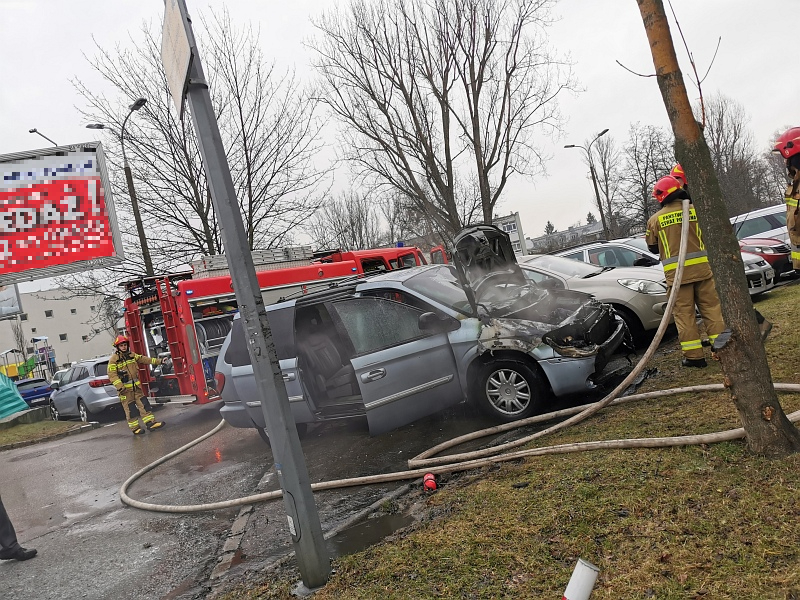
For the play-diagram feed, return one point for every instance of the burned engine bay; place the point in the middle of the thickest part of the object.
(515, 312)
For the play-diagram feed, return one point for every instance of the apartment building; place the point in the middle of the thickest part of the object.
(513, 227)
(68, 324)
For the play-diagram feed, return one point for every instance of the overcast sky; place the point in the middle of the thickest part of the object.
(42, 43)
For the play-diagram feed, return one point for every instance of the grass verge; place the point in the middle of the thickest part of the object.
(33, 432)
(695, 522)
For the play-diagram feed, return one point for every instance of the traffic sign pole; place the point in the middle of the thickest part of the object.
(304, 525)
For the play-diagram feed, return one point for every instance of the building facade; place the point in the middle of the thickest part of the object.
(513, 227)
(58, 329)
(558, 240)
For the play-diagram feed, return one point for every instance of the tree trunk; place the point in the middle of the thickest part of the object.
(743, 359)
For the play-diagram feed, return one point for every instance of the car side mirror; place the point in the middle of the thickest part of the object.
(434, 323)
(645, 261)
(55, 385)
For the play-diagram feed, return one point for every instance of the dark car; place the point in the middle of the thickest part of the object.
(34, 391)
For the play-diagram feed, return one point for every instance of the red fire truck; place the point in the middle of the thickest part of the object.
(187, 316)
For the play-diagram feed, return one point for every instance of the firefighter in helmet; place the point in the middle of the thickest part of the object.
(788, 146)
(697, 283)
(124, 375)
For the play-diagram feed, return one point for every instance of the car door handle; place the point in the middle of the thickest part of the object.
(373, 375)
(289, 377)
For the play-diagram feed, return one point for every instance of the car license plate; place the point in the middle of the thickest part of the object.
(769, 273)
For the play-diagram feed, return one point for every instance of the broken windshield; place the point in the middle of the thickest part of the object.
(442, 286)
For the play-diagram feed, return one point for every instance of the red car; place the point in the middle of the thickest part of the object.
(775, 252)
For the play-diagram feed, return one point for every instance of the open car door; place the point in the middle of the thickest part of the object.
(404, 372)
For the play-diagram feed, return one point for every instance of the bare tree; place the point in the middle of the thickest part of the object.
(268, 124)
(743, 358)
(607, 159)
(431, 90)
(348, 222)
(733, 153)
(647, 156)
(18, 333)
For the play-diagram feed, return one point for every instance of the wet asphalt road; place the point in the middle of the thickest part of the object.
(63, 499)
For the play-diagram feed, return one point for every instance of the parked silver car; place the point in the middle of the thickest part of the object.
(629, 252)
(83, 390)
(638, 294)
(402, 345)
(768, 222)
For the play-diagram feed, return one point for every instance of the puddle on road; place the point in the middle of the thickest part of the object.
(364, 534)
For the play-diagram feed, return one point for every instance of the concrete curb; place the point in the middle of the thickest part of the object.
(83, 427)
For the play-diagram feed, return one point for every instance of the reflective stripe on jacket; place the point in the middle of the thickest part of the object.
(123, 370)
(793, 218)
(664, 229)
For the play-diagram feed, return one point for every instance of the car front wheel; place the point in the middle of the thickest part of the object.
(83, 412)
(54, 414)
(508, 390)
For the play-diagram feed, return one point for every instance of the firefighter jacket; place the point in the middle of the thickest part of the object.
(793, 218)
(664, 229)
(123, 369)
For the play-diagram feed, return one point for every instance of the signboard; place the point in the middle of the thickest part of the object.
(10, 304)
(176, 53)
(56, 213)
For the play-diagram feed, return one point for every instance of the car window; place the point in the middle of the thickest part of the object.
(577, 255)
(101, 369)
(375, 323)
(753, 227)
(779, 219)
(442, 286)
(407, 260)
(542, 280)
(29, 385)
(78, 374)
(626, 257)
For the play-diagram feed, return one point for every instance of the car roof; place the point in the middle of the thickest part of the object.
(33, 379)
(759, 212)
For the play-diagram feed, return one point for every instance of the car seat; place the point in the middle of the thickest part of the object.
(332, 376)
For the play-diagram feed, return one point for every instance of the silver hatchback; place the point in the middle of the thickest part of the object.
(83, 390)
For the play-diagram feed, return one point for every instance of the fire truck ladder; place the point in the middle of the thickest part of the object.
(185, 370)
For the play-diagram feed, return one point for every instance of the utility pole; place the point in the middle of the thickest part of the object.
(180, 55)
(606, 229)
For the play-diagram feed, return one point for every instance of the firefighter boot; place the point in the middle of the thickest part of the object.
(700, 363)
(155, 425)
(764, 326)
(137, 431)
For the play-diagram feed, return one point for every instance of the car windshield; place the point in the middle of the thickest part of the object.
(564, 266)
(441, 285)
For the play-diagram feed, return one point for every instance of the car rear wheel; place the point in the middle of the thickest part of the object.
(83, 412)
(54, 414)
(508, 390)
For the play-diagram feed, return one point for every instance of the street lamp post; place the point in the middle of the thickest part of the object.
(37, 132)
(588, 151)
(148, 263)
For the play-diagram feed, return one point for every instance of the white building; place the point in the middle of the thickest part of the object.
(68, 324)
(513, 227)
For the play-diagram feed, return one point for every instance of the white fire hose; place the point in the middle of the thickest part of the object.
(424, 463)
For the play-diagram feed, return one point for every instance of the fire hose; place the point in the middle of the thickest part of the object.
(426, 463)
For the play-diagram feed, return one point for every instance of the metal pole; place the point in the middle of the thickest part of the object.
(597, 195)
(148, 263)
(36, 131)
(304, 525)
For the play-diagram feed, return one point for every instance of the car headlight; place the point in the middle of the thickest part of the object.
(759, 249)
(643, 286)
(750, 267)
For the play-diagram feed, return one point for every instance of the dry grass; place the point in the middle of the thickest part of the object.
(32, 432)
(696, 522)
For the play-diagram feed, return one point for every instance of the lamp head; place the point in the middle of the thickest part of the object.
(95, 126)
(602, 133)
(570, 146)
(139, 103)
(34, 130)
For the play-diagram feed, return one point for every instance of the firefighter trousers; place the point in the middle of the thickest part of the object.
(134, 394)
(702, 294)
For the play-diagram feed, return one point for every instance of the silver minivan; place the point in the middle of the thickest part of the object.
(405, 344)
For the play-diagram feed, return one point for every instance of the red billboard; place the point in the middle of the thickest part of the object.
(56, 213)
